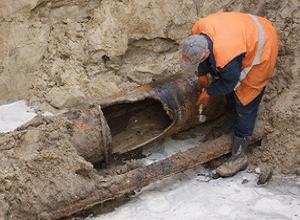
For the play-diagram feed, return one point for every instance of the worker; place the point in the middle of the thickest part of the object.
(239, 50)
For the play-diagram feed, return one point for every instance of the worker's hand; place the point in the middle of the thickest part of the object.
(203, 98)
(203, 81)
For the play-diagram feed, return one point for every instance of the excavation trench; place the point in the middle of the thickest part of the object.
(51, 157)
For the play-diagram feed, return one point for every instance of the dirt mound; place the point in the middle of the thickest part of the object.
(45, 162)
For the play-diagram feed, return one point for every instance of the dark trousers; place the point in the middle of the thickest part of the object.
(244, 116)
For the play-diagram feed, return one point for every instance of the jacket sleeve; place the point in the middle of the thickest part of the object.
(203, 69)
(229, 77)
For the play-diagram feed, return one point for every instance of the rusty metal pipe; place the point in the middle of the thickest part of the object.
(127, 121)
(154, 111)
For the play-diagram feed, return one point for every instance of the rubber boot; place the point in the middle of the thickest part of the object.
(238, 160)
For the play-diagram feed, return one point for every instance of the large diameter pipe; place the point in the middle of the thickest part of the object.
(154, 111)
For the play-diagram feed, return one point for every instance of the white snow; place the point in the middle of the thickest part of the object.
(14, 114)
(191, 195)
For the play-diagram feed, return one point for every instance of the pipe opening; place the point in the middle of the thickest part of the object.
(134, 124)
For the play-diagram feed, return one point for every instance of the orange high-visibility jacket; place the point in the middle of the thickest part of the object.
(234, 33)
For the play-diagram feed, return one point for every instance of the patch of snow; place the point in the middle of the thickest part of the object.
(48, 114)
(185, 197)
(168, 147)
(14, 115)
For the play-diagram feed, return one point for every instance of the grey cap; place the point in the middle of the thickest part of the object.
(193, 48)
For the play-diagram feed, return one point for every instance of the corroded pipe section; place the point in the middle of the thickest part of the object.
(154, 111)
(90, 133)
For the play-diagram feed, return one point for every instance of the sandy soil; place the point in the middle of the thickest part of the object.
(182, 196)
